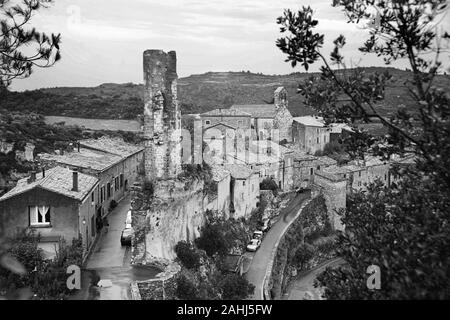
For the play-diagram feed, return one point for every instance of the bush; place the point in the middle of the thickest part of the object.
(269, 184)
(212, 240)
(187, 254)
(186, 289)
(304, 253)
(235, 287)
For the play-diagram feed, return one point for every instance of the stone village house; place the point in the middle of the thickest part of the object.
(56, 203)
(115, 163)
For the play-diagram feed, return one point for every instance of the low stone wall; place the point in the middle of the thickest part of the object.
(268, 276)
(163, 287)
(310, 217)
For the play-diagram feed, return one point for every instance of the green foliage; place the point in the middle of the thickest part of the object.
(235, 287)
(269, 184)
(304, 253)
(213, 240)
(46, 278)
(186, 289)
(187, 254)
(403, 229)
(330, 149)
(15, 36)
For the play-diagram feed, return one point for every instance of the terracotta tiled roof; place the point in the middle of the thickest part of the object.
(239, 171)
(58, 180)
(310, 121)
(112, 145)
(219, 173)
(86, 158)
(226, 112)
(257, 110)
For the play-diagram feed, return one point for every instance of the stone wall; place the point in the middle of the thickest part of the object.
(175, 213)
(163, 287)
(334, 192)
(283, 118)
(310, 217)
(162, 115)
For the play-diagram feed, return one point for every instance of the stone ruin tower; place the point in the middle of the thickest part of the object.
(283, 118)
(162, 116)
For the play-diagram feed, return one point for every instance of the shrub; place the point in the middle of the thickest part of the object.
(269, 184)
(186, 289)
(212, 240)
(235, 287)
(303, 254)
(187, 254)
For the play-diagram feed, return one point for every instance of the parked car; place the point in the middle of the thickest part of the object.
(127, 232)
(257, 234)
(253, 245)
(128, 220)
(267, 224)
(125, 237)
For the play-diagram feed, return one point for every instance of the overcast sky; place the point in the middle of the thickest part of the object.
(103, 40)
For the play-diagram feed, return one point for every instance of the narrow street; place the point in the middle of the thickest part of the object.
(261, 259)
(110, 261)
(302, 287)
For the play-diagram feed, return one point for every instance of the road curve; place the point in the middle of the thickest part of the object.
(262, 257)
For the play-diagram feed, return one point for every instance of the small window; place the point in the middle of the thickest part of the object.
(39, 216)
(92, 197)
(312, 171)
(318, 140)
(207, 122)
(108, 190)
(360, 173)
(243, 183)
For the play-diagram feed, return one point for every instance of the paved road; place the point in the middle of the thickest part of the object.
(302, 288)
(261, 259)
(111, 261)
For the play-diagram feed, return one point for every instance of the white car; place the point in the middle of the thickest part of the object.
(253, 245)
(128, 220)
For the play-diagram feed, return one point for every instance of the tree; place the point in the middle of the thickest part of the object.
(235, 287)
(187, 254)
(212, 240)
(186, 289)
(303, 254)
(405, 229)
(23, 48)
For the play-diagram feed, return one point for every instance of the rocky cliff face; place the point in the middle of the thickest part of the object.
(175, 213)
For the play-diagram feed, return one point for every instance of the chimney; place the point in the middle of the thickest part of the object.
(75, 180)
(43, 172)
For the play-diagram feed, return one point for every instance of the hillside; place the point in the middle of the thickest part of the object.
(198, 93)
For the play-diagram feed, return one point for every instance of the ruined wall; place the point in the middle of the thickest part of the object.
(176, 213)
(334, 192)
(162, 115)
(283, 118)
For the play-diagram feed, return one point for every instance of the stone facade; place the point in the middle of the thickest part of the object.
(334, 191)
(175, 213)
(162, 116)
(283, 118)
(310, 134)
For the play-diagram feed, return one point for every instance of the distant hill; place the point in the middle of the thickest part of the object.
(197, 93)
